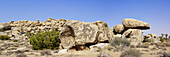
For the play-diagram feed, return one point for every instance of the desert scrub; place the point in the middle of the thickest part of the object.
(4, 37)
(162, 40)
(120, 41)
(15, 41)
(131, 53)
(46, 40)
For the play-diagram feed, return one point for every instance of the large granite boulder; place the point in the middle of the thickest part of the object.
(104, 33)
(134, 36)
(135, 24)
(118, 29)
(75, 33)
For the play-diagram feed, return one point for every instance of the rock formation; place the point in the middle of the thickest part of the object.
(131, 29)
(135, 24)
(76, 33)
(152, 37)
(133, 35)
(118, 29)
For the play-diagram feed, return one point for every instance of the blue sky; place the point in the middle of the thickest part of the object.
(154, 12)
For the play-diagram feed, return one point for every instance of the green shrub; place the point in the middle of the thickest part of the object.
(4, 37)
(162, 40)
(120, 41)
(131, 53)
(46, 40)
(15, 41)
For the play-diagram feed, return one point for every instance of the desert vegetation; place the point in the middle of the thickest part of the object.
(46, 40)
(71, 38)
(4, 37)
(131, 53)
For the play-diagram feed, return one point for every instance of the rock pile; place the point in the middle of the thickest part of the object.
(73, 33)
(131, 29)
(152, 37)
(18, 32)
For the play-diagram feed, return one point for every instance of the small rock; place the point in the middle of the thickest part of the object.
(46, 52)
(56, 51)
(63, 51)
(99, 46)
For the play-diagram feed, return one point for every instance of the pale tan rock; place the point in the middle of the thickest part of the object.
(135, 24)
(4, 26)
(133, 35)
(104, 33)
(76, 33)
(152, 37)
(118, 29)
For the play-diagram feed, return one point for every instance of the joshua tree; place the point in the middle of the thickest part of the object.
(166, 35)
(162, 35)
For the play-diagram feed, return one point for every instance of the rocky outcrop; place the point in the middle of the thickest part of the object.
(152, 38)
(133, 35)
(118, 29)
(135, 24)
(76, 33)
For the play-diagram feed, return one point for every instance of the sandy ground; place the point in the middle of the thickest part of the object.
(146, 52)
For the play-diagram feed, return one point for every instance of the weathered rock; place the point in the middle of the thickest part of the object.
(76, 33)
(45, 52)
(104, 33)
(134, 35)
(99, 46)
(118, 36)
(135, 24)
(118, 29)
(4, 26)
(152, 38)
(63, 51)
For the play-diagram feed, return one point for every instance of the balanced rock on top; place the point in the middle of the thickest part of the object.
(135, 24)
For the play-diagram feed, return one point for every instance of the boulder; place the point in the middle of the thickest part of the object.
(4, 26)
(133, 35)
(63, 51)
(135, 24)
(104, 33)
(118, 29)
(99, 46)
(76, 33)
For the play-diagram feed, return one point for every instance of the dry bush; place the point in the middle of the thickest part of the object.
(131, 53)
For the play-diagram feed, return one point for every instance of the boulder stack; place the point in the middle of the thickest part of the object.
(131, 29)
